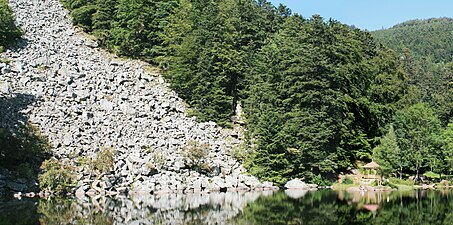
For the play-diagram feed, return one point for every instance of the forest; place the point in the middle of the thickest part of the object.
(319, 96)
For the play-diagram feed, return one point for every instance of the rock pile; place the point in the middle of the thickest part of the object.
(86, 100)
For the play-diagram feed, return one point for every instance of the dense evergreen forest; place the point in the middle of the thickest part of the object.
(426, 39)
(420, 139)
(319, 96)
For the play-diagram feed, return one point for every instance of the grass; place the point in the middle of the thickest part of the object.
(43, 68)
(340, 187)
(4, 60)
(403, 187)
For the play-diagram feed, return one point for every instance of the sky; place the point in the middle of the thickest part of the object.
(371, 14)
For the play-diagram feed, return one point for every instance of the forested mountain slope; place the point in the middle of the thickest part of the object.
(426, 51)
(429, 39)
(317, 94)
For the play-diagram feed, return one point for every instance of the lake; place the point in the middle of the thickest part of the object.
(290, 207)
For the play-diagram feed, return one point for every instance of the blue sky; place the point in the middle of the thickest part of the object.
(371, 14)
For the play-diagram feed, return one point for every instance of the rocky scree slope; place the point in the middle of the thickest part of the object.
(87, 100)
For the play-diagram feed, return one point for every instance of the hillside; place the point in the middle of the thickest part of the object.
(426, 52)
(431, 38)
(112, 122)
(318, 96)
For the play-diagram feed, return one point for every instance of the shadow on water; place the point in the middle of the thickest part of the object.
(22, 148)
(23, 212)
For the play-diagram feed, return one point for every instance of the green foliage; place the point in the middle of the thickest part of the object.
(425, 50)
(417, 128)
(425, 53)
(82, 16)
(241, 152)
(209, 47)
(320, 93)
(66, 211)
(196, 156)
(347, 180)
(388, 154)
(317, 94)
(431, 175)
(426, 38)
(447, 148)
(74, 4)
(8, 30)
(128, 28)
(104, 161)
(401, 181)
(56, 177)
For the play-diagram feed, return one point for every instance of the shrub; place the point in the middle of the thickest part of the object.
(83, 16)
(320, 180)
(104, 161)
(195, 156)
(347, 180)
(431, 175)
(241, 153)
(159, 160)
(394, 180)
(56, 177)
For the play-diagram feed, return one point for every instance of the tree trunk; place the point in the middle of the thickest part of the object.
(416, 175)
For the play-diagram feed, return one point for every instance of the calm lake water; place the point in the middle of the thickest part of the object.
(297, 207)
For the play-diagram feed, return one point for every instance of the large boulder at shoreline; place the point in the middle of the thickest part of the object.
(299, 184)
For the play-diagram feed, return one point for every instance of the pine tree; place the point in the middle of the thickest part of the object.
(388, 154)
(103, 18)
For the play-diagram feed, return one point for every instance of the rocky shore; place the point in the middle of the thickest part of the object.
(86, 100)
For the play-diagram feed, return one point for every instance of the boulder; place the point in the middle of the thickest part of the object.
(296, 184)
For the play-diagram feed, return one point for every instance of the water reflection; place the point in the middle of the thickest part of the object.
(344, 208)
(289, 207)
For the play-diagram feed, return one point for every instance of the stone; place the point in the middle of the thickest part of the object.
(106, 105)
(80, 192)
(5, 88)
(86, 100)
(296, 184)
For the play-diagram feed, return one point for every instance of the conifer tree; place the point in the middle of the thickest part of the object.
(388, 154)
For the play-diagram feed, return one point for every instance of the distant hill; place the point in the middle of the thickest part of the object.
(430, 38)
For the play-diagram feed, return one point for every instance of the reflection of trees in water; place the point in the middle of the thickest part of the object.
(324, 207)
(67, 211)
(314, 208)
(18, 212)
